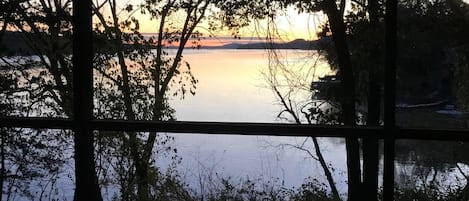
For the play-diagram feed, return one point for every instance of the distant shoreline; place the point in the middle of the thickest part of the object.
(300, 44)
(14, 44)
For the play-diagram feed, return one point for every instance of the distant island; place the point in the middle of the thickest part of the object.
(299, 44)
(295, 44)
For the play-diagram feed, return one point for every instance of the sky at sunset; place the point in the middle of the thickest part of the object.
(290, 24)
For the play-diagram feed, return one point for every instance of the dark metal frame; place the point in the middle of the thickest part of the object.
(83, 121)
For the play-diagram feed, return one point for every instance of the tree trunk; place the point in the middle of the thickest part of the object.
(348, 96)
(371, 145)
(330, 179)
(86, 181)
(141, 163)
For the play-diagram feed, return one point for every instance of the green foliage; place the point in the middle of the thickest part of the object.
(324, 112)
(431, 194)
(245, 190)
(234, 15)
(312, 190)
(431, 46)
(274, 190)
(32, 161)
(365, 40)
(170, 186)
(461, 75)
(35, 81)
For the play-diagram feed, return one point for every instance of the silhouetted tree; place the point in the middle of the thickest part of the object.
(361, 29)
(42, 72)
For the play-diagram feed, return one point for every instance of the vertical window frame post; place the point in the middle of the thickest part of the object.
(86, 181)
(390, 99)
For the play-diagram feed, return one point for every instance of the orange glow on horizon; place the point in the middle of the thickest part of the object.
(290, 26)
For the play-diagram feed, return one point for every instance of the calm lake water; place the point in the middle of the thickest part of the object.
(232, 84)
(232, 87)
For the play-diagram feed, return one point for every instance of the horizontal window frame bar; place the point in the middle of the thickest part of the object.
(431, 134)
(233, 128)
(241, 128)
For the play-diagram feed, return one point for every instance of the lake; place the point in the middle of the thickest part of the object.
(232, 85)
(233, 88)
